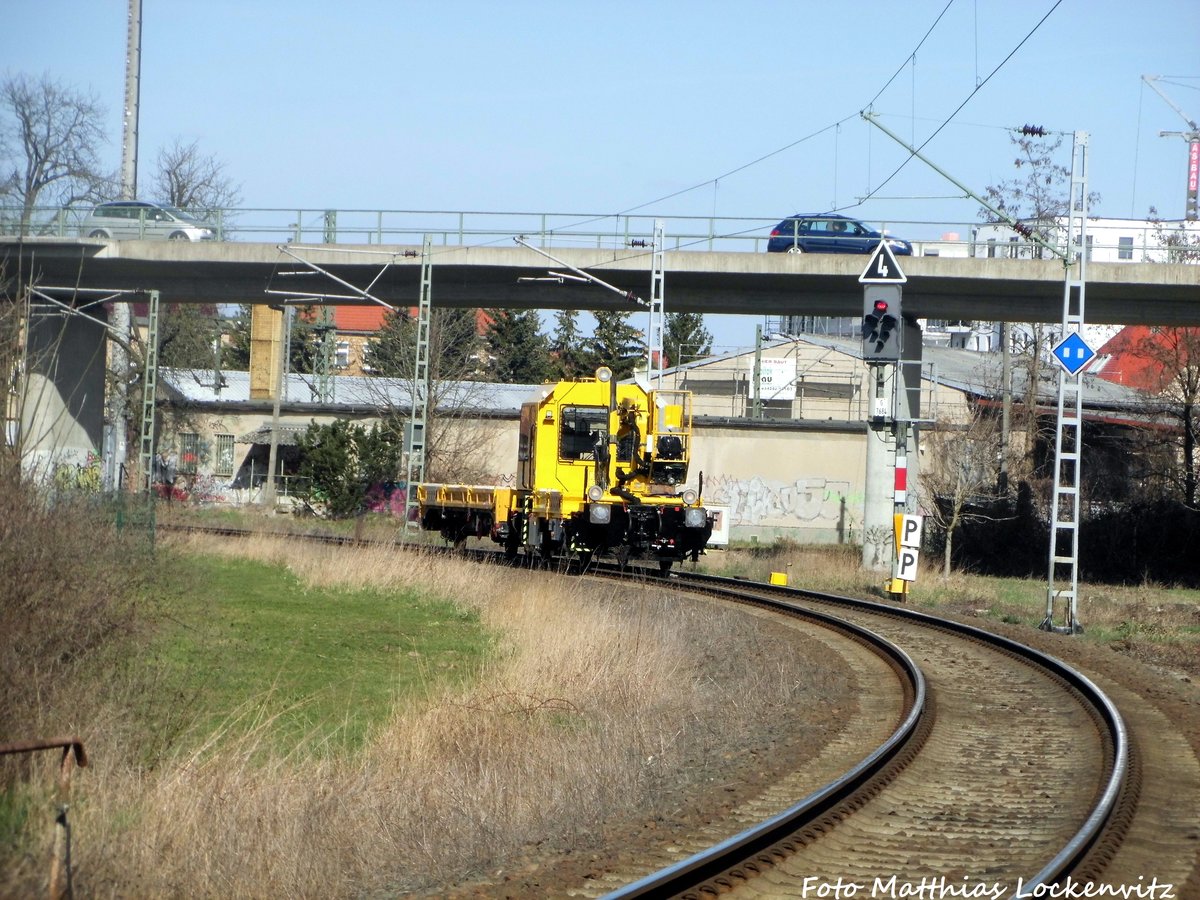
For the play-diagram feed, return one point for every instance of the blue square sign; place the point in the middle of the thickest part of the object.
(1073, 353)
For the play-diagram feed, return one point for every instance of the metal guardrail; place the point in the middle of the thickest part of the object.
(72, 754)
(1148, 241)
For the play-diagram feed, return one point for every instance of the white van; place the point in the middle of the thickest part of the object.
(138, 220)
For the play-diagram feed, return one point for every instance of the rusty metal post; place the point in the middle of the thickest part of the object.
(72, 754)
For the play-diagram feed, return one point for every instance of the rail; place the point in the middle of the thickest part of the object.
(714, 861)
(669, 881)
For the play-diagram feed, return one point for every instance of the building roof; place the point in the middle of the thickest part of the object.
(349, 391)
(353, 319)
(1122, 361)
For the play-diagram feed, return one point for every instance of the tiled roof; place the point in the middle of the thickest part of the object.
(359, 318)
(1123, 361)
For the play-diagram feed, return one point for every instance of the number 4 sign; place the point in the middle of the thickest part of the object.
(883, 268)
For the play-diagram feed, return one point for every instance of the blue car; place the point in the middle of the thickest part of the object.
(829, 233)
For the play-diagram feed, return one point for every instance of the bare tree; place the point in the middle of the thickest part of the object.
(191, 180)
(1039, 195)
(1183, 244)
(49, 137)
(1174, 357)
(961, 464)
(453, 433)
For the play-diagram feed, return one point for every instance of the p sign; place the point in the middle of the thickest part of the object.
(906, 564)
(908, 545)
(908, 531)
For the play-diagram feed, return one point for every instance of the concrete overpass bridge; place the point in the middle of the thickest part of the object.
(77, 272)
(703, 281)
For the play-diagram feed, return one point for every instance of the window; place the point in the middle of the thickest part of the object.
(580, 429)
(189, 452)
(224, 466)
(343, 354)
(1125, 248)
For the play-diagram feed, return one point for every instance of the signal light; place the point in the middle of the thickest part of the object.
(881, 341)
(1033, 130)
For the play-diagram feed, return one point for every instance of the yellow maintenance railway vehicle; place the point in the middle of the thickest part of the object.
(602, 468)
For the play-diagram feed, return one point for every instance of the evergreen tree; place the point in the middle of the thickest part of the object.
(685, 338)
(305, 341)
(187, 336)
(569, 359)
(520, 352)
(392, 348)
(615, 343)
(235, 353)
(455, 349)
(339, 462)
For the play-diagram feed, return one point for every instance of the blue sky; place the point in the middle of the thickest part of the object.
(589, 108)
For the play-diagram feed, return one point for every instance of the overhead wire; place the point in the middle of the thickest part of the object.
(965, 101)
(908, 59)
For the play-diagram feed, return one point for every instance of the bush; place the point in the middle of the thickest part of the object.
(339, 462)
(68, 568)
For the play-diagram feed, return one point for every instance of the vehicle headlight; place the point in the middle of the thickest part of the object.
(604, 374)
(695, 517)
(595, 492)
(599, 513)
(689, 497)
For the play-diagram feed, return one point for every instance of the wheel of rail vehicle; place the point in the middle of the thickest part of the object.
(512, 541)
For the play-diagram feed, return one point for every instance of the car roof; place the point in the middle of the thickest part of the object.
(821, 216)
(112, 203)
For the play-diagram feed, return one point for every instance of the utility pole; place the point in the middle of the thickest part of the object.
(117, 448)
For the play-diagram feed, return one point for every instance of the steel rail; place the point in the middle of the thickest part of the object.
(1061, 865)
(728, 854)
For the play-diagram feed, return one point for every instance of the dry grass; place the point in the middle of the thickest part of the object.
(594, 703)
(1156, 624)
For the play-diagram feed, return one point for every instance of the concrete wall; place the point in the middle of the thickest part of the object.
(62, 399)
(803, 484)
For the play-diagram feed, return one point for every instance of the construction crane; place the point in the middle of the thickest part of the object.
(1192, 136)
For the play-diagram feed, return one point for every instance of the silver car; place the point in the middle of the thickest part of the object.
(138, 220)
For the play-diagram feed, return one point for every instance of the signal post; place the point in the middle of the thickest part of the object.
(892, 353)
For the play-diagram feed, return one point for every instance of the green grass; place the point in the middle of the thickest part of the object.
(245, 643)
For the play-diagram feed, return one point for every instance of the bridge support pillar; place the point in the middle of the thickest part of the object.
(62, 395)
(265, 347)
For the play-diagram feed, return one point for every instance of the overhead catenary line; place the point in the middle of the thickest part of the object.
(965, 101)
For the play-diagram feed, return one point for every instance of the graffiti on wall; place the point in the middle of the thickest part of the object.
(756, 501)
(82, 476)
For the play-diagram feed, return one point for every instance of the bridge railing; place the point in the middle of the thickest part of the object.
(465, 227)
(1127, 241)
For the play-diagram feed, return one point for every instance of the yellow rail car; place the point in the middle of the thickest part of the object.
(602, 468)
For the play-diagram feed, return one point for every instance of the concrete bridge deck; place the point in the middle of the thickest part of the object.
(759, 284)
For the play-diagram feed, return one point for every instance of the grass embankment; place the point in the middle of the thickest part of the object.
(334, 722)
(324, 663)
(1156, 624)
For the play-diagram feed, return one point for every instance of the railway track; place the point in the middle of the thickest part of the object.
(1005, 773)
(1013, 766)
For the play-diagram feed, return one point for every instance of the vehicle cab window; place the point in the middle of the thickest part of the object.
(581, 428)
